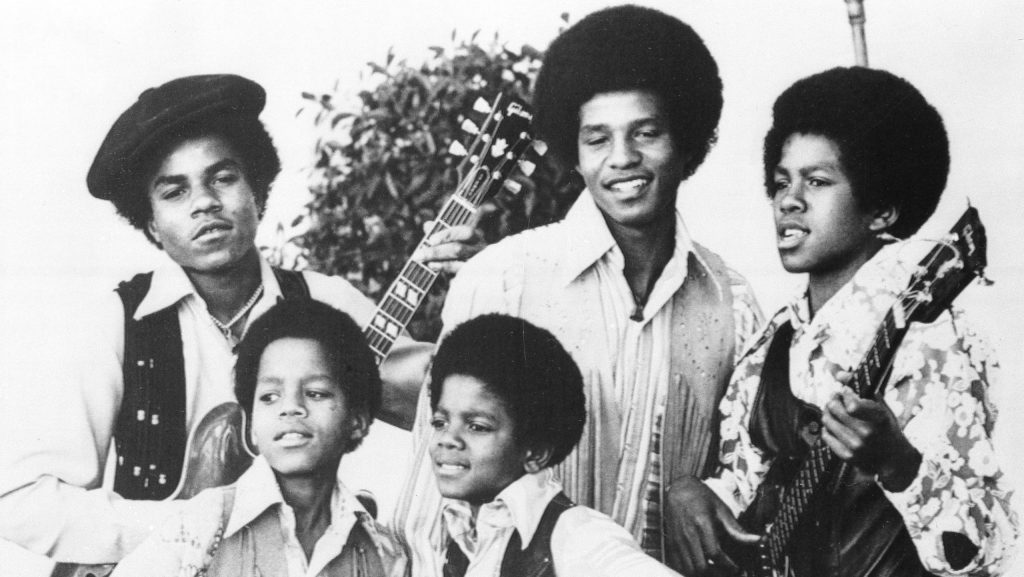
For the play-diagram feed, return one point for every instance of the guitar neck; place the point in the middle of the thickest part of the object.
(411, 285)
(493, 154)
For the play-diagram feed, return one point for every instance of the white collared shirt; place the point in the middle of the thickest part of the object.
(583, 542)
(257, 490)
(182, 545)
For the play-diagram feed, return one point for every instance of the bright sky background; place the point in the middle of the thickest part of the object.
(67, 69)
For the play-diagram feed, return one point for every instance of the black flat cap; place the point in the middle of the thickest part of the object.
(159, 112)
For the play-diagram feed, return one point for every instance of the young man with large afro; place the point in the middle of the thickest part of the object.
(855, 160)
(629, 99)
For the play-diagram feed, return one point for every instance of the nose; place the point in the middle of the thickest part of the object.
(624, 153)
(790, 199)
(205, 200)
(446, 438)
(293, 405)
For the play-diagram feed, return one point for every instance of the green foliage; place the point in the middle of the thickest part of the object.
(382, 167)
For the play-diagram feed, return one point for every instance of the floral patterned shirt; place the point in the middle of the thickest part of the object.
(937, 390)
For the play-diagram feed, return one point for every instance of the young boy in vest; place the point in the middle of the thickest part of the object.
(508, 405)
(308, 382)
(856, 159)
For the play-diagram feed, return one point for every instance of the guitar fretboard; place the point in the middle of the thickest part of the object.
(410, 287)
(820, 462)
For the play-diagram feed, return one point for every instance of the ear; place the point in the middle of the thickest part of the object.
(536, 459)
(151, 229)
(882, 219)
(359, 425)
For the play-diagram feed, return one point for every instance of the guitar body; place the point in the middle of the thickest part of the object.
(218, 453)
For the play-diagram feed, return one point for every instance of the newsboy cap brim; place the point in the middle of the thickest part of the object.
(160, 112)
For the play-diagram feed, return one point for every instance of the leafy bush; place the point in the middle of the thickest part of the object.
(382, 167)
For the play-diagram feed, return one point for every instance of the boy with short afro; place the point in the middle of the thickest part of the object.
(309, 385)
(508, 405)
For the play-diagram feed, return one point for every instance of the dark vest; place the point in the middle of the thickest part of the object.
(533, 561)
(150, 434)
(851, 530)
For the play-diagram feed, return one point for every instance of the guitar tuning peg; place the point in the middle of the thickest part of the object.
(513, 186)
(527, 167)
(456, 148)
(540, 147)
(482, 106)
(470, 127)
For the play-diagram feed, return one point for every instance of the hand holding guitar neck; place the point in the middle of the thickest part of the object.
(446, 250)
(865, 433)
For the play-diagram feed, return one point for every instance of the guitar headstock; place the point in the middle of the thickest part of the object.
(497, 150)
(959, 258)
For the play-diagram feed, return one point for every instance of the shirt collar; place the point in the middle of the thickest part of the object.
(170, 285)
(862, 301)
(257, 490)
(524, 502)
(591, 239)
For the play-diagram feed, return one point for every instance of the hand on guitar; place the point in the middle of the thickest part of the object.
(702, 536)
(446, 250)
(865, 433)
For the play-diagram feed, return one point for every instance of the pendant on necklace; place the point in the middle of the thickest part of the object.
(226, 328)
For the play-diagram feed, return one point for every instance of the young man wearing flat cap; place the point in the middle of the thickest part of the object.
(629, 98)
(190, 165)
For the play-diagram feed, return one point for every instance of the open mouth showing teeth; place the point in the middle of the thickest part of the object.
(791, 238)
(292, 436)
(451, 468)
(629, 185)
(211, 228)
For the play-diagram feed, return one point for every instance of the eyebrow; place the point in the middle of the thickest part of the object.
(167, 179)
(313, 378)
(632, 124)
(466, 415)
(833, 166)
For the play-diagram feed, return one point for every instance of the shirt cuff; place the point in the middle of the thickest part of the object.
(725, 491)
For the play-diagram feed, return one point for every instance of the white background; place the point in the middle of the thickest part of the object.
(67, 69)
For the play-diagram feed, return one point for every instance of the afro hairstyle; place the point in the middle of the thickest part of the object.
(348, 353)
(528, 369)
(246, 135)
(627, 48)
(892, 143)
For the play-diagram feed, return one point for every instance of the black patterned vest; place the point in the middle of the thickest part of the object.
(533, 561)
(150, 434)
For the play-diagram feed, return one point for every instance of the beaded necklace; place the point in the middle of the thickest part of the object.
(226, 327)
